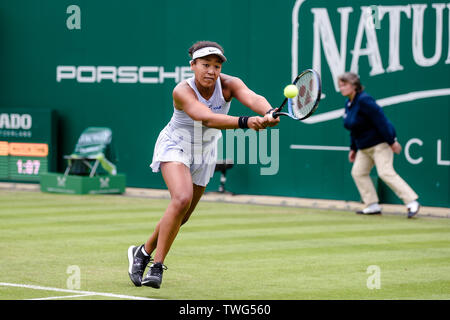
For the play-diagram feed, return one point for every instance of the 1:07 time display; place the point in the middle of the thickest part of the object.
(23, 161)
(30, 167)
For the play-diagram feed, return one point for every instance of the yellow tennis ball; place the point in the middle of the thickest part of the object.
(290, 91)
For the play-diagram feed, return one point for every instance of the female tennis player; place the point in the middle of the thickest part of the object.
(186, 161)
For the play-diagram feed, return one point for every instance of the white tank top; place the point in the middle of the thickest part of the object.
(217, 104)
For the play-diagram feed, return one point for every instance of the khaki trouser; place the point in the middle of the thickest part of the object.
(382, 157)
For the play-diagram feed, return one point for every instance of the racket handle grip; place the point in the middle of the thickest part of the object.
(275, 114)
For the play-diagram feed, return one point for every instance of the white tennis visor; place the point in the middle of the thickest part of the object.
(203, 52)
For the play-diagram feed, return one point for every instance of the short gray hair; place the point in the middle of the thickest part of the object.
(353, 79)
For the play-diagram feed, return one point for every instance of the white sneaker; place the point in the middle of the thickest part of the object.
(374, 208)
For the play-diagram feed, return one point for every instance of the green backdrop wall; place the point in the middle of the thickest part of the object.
(114, 63)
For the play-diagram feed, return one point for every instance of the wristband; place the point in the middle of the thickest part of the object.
(243, 122)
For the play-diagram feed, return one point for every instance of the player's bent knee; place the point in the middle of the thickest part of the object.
(182, 202)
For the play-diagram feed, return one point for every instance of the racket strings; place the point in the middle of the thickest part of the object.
(308, 90)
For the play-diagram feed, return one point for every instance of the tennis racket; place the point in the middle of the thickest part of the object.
(307, 100)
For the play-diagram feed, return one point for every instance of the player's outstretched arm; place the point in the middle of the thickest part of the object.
(185, 99)
(250, 99)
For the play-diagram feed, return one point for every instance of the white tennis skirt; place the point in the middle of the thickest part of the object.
(200, 158)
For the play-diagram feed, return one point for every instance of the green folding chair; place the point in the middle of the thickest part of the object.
(93, 153)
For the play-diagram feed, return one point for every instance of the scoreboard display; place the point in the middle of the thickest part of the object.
(27, 144)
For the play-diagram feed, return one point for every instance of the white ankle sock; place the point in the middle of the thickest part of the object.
(144, 252)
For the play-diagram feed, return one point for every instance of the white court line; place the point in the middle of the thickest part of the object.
(104, 294)
(311, 147)
(64, 297)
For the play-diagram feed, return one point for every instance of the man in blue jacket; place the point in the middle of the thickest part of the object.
(373, 142)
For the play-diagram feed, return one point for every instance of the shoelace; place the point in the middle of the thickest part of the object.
(141, 261)
(157, 269)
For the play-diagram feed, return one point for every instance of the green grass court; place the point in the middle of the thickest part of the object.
(226, 251)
